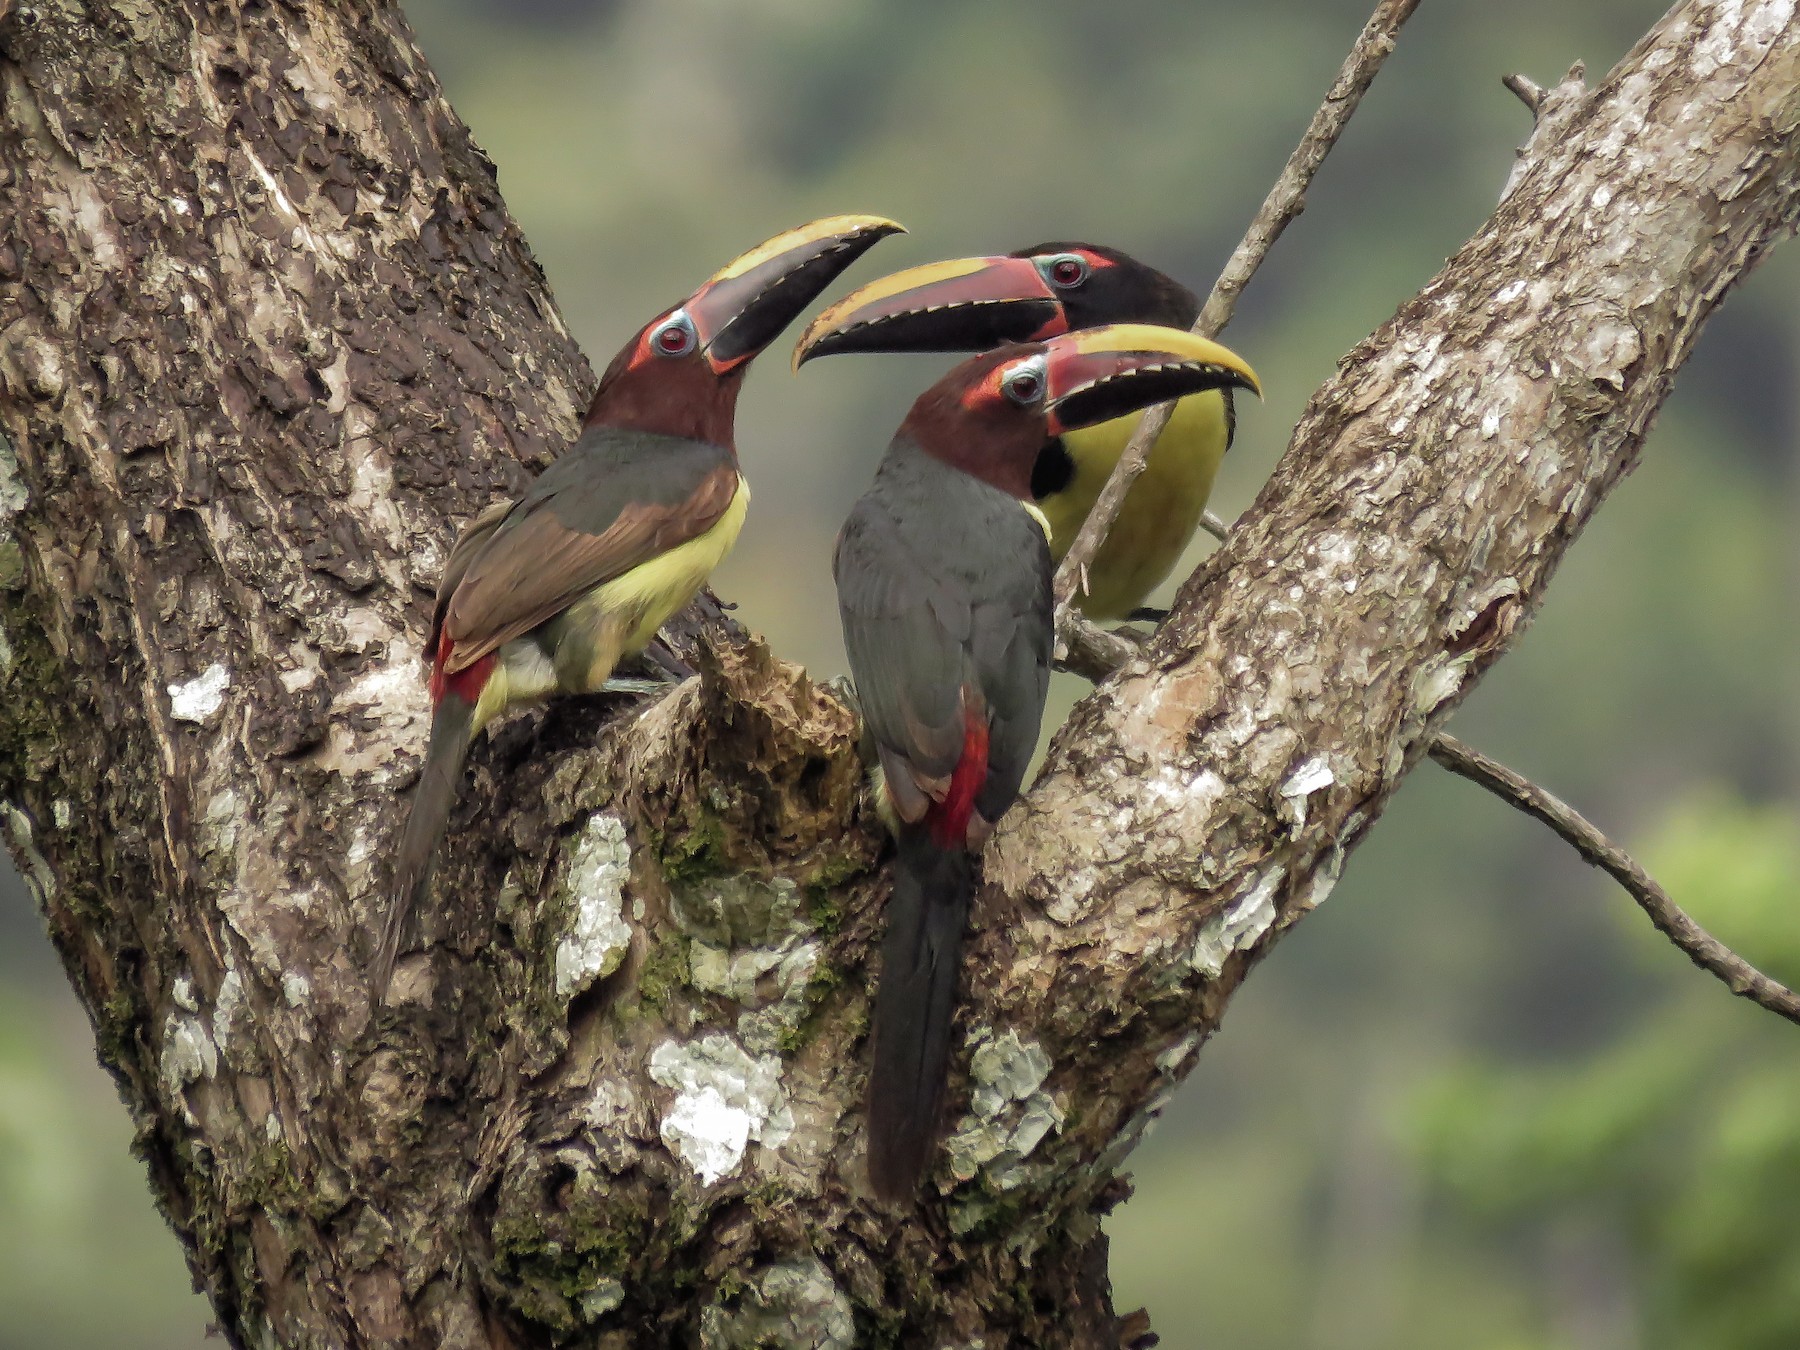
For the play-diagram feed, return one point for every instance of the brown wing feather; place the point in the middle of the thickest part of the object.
(468, 546)
(540, 566)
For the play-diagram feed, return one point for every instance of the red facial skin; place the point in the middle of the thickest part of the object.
(1060, 324)
(966, 421)
(645, 389)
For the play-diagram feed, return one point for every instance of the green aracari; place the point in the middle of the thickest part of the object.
(968, 304)
(544, 595)
(944, 588)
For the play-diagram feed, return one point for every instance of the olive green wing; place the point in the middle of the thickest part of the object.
(611, 504)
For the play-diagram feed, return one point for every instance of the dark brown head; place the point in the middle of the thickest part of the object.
(971, 304)
(991, 415)
(680, 375)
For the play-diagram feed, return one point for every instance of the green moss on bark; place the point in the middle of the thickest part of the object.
(665, 970)
(560, 1235)
(820, 985)
(693, 852)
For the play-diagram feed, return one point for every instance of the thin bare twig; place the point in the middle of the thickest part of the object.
(1285, 201)
(1551, 111)
(1702, 948)
(1096, 653)
(1090, 651)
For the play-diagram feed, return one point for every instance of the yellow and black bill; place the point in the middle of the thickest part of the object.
(1097, 374)
(745, 305)
(960, 305)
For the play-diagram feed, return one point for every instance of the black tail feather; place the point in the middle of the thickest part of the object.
(914, 1006)
(451, 729)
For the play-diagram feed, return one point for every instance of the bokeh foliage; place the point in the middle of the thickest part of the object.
(1472, 1101)
(1679, 1141)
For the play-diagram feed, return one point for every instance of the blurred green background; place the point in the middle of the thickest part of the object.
(1474, 1101)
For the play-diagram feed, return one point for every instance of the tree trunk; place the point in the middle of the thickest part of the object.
(267, 334)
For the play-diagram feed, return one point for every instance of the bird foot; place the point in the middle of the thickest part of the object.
(661, 660)
(661, 669)
(1147, 614)
(841, 686)
(631, 684)
(845, 690)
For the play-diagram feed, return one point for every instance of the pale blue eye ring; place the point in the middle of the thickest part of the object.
(676, 337)
(1024, 383)
(1066, 270)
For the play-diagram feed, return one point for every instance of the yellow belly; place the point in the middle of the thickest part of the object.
(1161, 511)
(655, 591)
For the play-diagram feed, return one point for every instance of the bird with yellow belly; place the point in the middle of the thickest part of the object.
(971, 304)
(544, 594)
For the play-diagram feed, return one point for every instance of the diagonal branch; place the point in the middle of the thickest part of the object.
(630, 1054)
(1286, 200)
(1207, 796)
(1096, 653)
(1702, 948)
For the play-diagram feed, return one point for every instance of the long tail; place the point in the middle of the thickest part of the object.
(452, 727)
(914, 1006)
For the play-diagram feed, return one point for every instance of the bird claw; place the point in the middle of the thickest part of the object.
(1147, 614)
(845, 690)
(661, 660)
(631, 684)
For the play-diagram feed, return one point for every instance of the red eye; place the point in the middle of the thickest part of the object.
(674, 338)
(1024, 386)
(1068, 271)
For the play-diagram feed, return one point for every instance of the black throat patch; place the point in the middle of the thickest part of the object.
(1053, 471)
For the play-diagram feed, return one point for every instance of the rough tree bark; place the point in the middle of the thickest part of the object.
(267, 334)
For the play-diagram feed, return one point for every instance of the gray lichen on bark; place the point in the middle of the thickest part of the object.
(267, 334)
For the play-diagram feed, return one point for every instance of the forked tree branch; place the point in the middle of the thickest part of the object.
(1286, 200)
(1097, 653)
(269, 334)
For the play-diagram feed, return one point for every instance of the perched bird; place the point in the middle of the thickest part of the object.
(943, 577)
(545, 594)
(973, 303)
